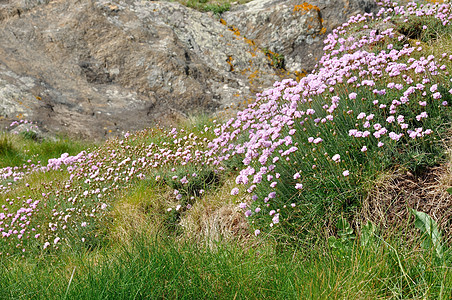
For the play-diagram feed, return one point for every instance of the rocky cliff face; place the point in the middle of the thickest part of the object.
(96, 68)
(292, 28)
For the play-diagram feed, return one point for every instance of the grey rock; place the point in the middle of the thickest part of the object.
(294, 29)
(96, 68)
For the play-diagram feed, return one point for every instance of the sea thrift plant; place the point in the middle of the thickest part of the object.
(373, 103)
(75, 211)
(302, 152)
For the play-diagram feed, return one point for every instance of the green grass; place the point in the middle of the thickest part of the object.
(215, 6)
(16, 150)
(152, 267)
(143, 247)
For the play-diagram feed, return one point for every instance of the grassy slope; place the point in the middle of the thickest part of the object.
(140, 250)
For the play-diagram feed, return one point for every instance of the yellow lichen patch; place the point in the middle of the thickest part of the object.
(253, 76)
(299, 75)
(250, 42)
(38, 98)
(229, 62)
(244, 71)
(322, 31)
(235, 30)
(305, 7)
(222, 21)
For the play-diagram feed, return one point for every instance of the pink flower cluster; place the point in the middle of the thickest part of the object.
(388, 80)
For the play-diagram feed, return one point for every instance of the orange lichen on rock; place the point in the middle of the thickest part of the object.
(235, 30)
(299, 75)
(229, 62)
(305, 7)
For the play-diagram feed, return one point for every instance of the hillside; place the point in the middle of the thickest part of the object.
(333, 186)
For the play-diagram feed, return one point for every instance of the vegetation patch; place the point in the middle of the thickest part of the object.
(334, 186)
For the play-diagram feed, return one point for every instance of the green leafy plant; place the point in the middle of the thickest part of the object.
(343, 244)
(449, 190)
(277, 60)
(431, 232)
(368, 234)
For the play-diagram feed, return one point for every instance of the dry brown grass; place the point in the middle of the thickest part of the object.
(215, 217)
(389, 201)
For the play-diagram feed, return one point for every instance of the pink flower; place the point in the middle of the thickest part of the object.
(234, 191)
(394, 136)
(370, 117)
(317, 140)
(298, 186)
(336, 158)
(361, 116)
(346, 173)
(257, 232)
(364, 149)
(422, 115)
(437, 95)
